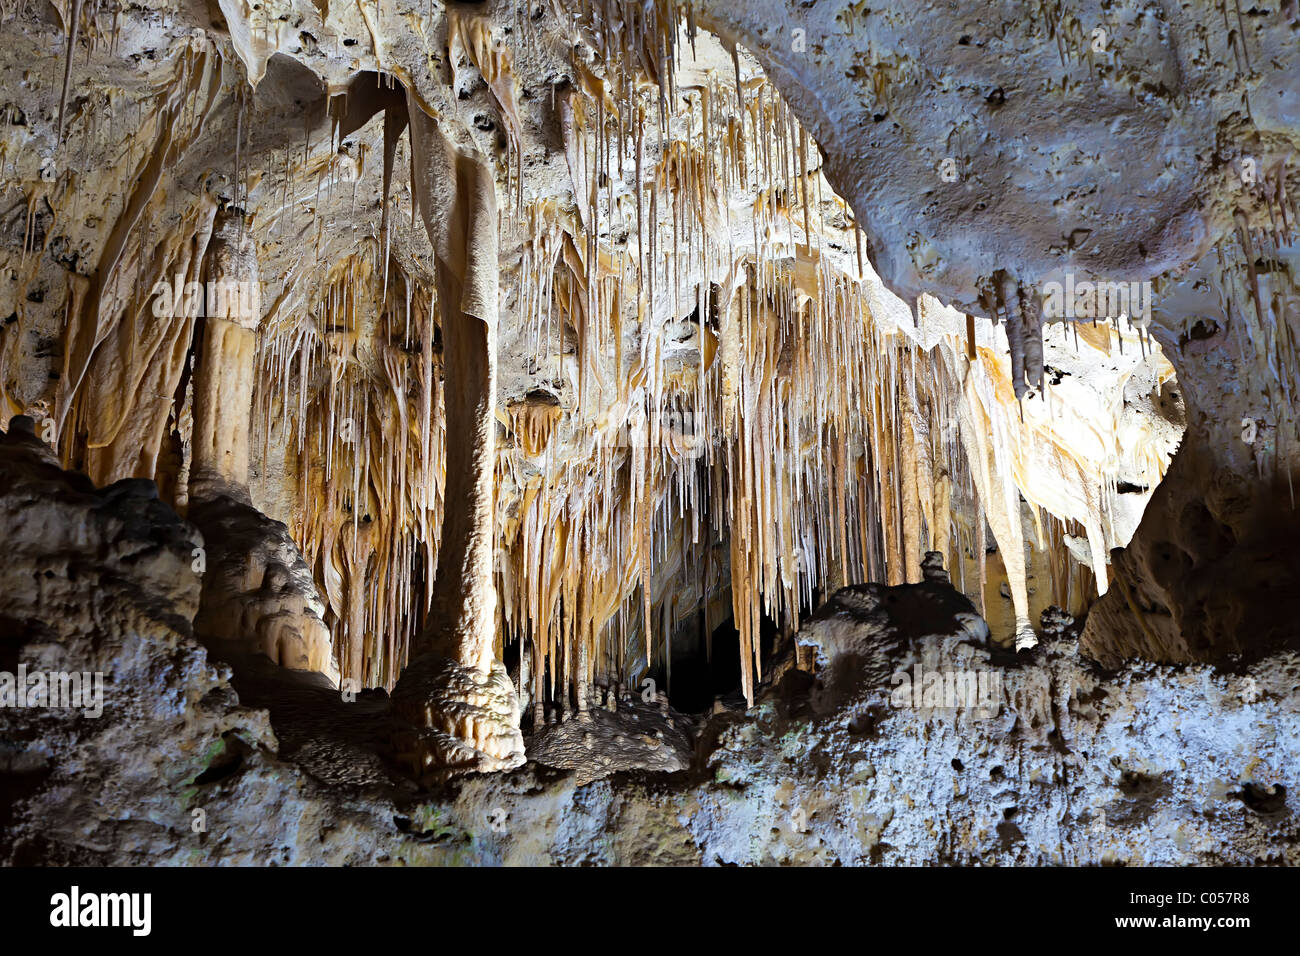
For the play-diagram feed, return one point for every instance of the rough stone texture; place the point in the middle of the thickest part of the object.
(1141, 766)
(629, 735)
(856, 635)
(1147, 764)
(1211, 572)
(101, 580)
(258, 593)
(1118, 163)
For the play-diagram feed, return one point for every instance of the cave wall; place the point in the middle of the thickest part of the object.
(347, 431)
(742, 339)
(743, 335)
(1118, 143)
(1055, 762)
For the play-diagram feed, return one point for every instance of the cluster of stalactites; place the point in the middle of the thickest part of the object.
(1260, 287)
(350, 389)
(800, 438)
(798, 435)
(712, 187)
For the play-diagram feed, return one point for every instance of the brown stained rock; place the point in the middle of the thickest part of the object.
(450, 719)
(599, 742)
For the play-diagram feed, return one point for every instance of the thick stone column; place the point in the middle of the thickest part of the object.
(223, 381)
(456, 707)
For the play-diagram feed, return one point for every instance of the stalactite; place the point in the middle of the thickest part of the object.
(117, 289)
(365, 434)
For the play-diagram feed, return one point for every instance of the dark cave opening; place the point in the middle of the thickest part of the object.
(699, 677)
(704, 673)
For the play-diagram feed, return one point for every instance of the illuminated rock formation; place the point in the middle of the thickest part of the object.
(1044, 146)
(223, 378)
(258, 593)
(576, 341)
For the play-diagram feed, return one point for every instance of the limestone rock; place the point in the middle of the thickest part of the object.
(858, 635)
(452, 719)
(258, 593)
(600, 742)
